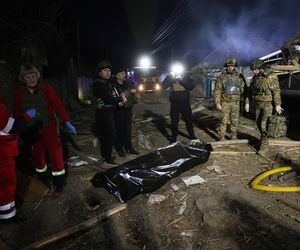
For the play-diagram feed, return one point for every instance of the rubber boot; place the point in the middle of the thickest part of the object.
(44, 177)
(58, 182)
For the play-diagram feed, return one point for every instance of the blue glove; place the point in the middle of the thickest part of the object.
(31, 113)
(71, 128)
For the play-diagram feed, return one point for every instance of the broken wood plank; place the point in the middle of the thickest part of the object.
(41, 244)
(274, 142)
(288, 204)
(229, 142)
(30, 189)
(232, 152)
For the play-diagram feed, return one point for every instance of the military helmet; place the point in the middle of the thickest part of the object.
(257, 64)
(230, 61)
(103, 65)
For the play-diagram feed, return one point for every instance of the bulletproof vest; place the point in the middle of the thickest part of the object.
(177, 87)
(231, 84)
(38, 102)
(260, 87)
(98, 103)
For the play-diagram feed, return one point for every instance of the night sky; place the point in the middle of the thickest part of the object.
(120, 30)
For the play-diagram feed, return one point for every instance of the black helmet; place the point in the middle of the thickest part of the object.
(103, 65)
(230, 61)
(257, 64)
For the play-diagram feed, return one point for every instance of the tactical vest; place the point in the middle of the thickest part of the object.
(260, 89)
(98, 103)
(231, 84)
(38, 102)
(177, 87)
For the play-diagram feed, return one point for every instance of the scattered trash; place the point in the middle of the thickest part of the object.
(144, 141)
(75, 161)
(188, 234)
(288, 176)
(182, 208)
(146, 120)
(183, 197)
(156, 199)
(174, 187)
(215, 168)
(191, 180)
(95, 142)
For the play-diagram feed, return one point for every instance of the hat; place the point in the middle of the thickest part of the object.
(103, 65)
(257, 64)
(231, 61)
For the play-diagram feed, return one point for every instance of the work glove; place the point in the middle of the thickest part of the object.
(278, 109)
(247, 107)
(218, 106)
(71, 128)
(31, 113)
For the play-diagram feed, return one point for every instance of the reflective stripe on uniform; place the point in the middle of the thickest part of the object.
(44, 169)
(9, 125)
(58, 173)
(7, 206)
(9, 215)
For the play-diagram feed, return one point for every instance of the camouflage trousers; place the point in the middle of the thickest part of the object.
(263, 112)
(230, 112)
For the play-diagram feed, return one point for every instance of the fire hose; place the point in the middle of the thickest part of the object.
(255, 183)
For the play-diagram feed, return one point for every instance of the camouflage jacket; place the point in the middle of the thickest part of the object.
(230, 87)
(265, 88)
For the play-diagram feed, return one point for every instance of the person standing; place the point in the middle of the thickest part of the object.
(123, 115)
(179, 97)
(105, 99)
(9, 149)
(229, 89)
(48, 105)
(264, 88)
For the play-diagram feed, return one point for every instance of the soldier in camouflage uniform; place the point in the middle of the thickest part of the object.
(228, 92)
(264, 88)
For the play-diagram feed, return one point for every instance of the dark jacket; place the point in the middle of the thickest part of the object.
(125, 89)
(180, 88)
(105, 94)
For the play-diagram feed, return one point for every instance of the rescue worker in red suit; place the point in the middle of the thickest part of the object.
(48, 105)
(9, 149)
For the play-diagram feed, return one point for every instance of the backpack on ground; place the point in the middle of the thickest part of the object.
(277, 126)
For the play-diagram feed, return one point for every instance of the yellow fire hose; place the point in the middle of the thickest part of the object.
(255, 183)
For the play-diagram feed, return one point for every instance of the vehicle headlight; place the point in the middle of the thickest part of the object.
(141, 87)
(157, 87)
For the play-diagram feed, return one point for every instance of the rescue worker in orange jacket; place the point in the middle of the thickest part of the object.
(43, 97)
(8, 150)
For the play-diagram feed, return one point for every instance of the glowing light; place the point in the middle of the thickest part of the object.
(177, 68)
(141, 87)
(145, 62)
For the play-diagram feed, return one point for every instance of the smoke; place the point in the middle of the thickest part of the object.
(247, 28)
